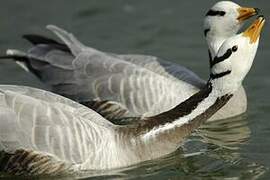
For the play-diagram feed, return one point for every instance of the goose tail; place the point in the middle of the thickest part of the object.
(14, 54)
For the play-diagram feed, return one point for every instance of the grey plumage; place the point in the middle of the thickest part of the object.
(64, 131)
(145, 85)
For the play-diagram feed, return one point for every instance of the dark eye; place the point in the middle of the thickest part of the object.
(234, 48)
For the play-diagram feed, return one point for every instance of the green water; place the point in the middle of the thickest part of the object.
(236, 148)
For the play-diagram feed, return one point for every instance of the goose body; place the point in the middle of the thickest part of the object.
(59, 136)
(85, 74)
(45, 133)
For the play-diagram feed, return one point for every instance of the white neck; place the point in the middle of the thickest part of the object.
(214, 43)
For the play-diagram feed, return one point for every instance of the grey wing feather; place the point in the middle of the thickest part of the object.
(111, 110)
(94, 75)
(75, 46)
(51, 65)
(136, 88)
(43, 122)
(48, 54)
(24, 162)
(165, 68)
(139, 83)
(157, 65)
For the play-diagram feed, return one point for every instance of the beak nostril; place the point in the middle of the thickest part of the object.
(257, 10)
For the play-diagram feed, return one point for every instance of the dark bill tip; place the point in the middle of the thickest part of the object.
(257, 10)
(260, 16)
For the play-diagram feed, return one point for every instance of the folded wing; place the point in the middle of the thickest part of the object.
(48, 124)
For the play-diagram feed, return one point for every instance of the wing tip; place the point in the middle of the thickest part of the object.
(56, 29)
(51, 27)
(15, 52)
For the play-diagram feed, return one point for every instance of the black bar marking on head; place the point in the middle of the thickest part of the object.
(219, 75)
(221, 58)
(206, 31)
(215, 13)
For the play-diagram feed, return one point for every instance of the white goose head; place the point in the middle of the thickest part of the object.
(228, 69)
(235, 57)
(224, 20)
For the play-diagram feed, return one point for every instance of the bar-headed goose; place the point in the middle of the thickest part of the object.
(44, 133)
(74, 70)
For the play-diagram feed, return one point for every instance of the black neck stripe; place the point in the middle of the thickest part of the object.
(206, 31)
(221, 58)
(210, 58)
(215, 13)
(219, 75)
(181, 110)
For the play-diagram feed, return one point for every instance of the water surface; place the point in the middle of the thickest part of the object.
(235, 148)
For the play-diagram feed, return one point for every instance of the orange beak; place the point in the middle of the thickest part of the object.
(245, 13)
(254, 30)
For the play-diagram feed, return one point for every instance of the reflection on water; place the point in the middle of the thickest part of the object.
(228, 133)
